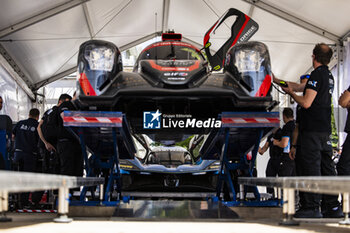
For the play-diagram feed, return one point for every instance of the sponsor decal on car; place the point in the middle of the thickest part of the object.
(172, 74)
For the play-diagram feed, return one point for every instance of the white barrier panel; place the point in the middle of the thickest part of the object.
(11, 181)
(313, 184)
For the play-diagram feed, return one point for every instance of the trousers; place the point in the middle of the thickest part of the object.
(343, 166)
(316, 160)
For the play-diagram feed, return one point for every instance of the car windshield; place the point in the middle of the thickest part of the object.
(171, 51)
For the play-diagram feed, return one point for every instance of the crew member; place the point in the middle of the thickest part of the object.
(26, 139)
(48, 132)
(343, 165)
(314, 132)
(286, 164)
(6, 125)
(68, 146)
(51, 137)
(279, 163)
(295, 148)
(273, 164)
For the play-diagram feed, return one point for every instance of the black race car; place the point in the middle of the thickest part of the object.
(175, 77)
(176, 89)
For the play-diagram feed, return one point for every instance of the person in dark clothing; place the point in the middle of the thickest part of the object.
(6, 126)
(51, 145)
(1, 102)
(279, 143)
(284, 143)
(295, 145)
(26, 139)
(273, 165)
(47, 130)
(343, 165)
(47, 145)
(68, 146)
(314, 132)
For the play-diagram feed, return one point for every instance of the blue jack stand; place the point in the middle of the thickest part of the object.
(94, 121)
(261, 123)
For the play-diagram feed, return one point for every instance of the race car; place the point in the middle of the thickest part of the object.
(174, 76)
(168, 168)
(175, 91)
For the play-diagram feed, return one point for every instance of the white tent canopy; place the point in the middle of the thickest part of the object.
(40, 38)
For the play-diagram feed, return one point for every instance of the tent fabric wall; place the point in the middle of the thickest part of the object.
(49, 47)
(16, 102)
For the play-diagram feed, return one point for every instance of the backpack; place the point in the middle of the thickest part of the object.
(50, 126)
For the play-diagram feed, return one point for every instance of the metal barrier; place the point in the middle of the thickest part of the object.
(11, 182)
(318, 184)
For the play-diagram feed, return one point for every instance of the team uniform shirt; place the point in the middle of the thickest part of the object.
(43, 118)
(347, 126)
(26, 136)
(317, 118)
(287, 132)
(63, 133)
(48, 112)
(275, 151)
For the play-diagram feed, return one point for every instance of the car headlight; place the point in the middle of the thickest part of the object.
(99, 62)
(247, 60)
(249, 63)
(100, 58)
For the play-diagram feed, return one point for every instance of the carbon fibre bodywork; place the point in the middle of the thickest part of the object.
(174, 78)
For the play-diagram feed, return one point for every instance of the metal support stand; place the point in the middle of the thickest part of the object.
(225, 171)
(241, 192)
(115, 171)
(259, 122)
(63, 206)
(346, 211)
(279, 196)
(101, 193)
(4, 206)
(288, 208)
(112, 120)
(227, 167)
